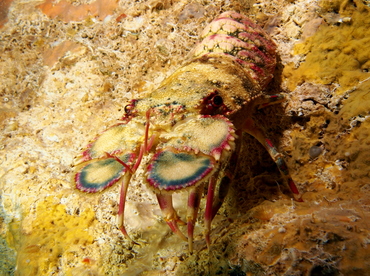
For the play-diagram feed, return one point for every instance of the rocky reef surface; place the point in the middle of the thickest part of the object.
(67, 69)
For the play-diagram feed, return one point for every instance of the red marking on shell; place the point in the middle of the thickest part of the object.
(256, 69)
(236, 35)
(86, 156)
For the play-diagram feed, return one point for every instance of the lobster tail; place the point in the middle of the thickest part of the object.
(236, 36)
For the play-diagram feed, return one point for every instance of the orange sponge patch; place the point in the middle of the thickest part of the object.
(67, 12)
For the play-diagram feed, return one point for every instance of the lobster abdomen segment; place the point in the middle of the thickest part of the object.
(236, 35)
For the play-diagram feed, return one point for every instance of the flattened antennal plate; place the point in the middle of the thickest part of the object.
(171, 171)
(98, 174)
(207, 134)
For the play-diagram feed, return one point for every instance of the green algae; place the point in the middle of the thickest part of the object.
(7, 259)
(7, 254)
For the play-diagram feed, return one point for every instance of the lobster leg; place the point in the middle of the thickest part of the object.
(221, 187)
(208, 213)
(169, 214)
(195, 195)
(215, 197)
(268, 100)
(219, 198)
(256, 132)
(122, 200)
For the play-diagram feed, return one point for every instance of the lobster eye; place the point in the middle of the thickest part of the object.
(217, 101)
(128, 109)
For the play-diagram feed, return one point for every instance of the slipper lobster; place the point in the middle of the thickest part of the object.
(188, 127)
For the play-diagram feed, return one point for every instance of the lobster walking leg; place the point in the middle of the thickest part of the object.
(170, 215)
(270, 100)
(215, 198)
(195, 196)
(217, 191)
(208, 213)
(122, 200)
(220, 195)
(256, 132)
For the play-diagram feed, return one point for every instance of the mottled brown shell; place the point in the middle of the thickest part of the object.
(236, 60)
